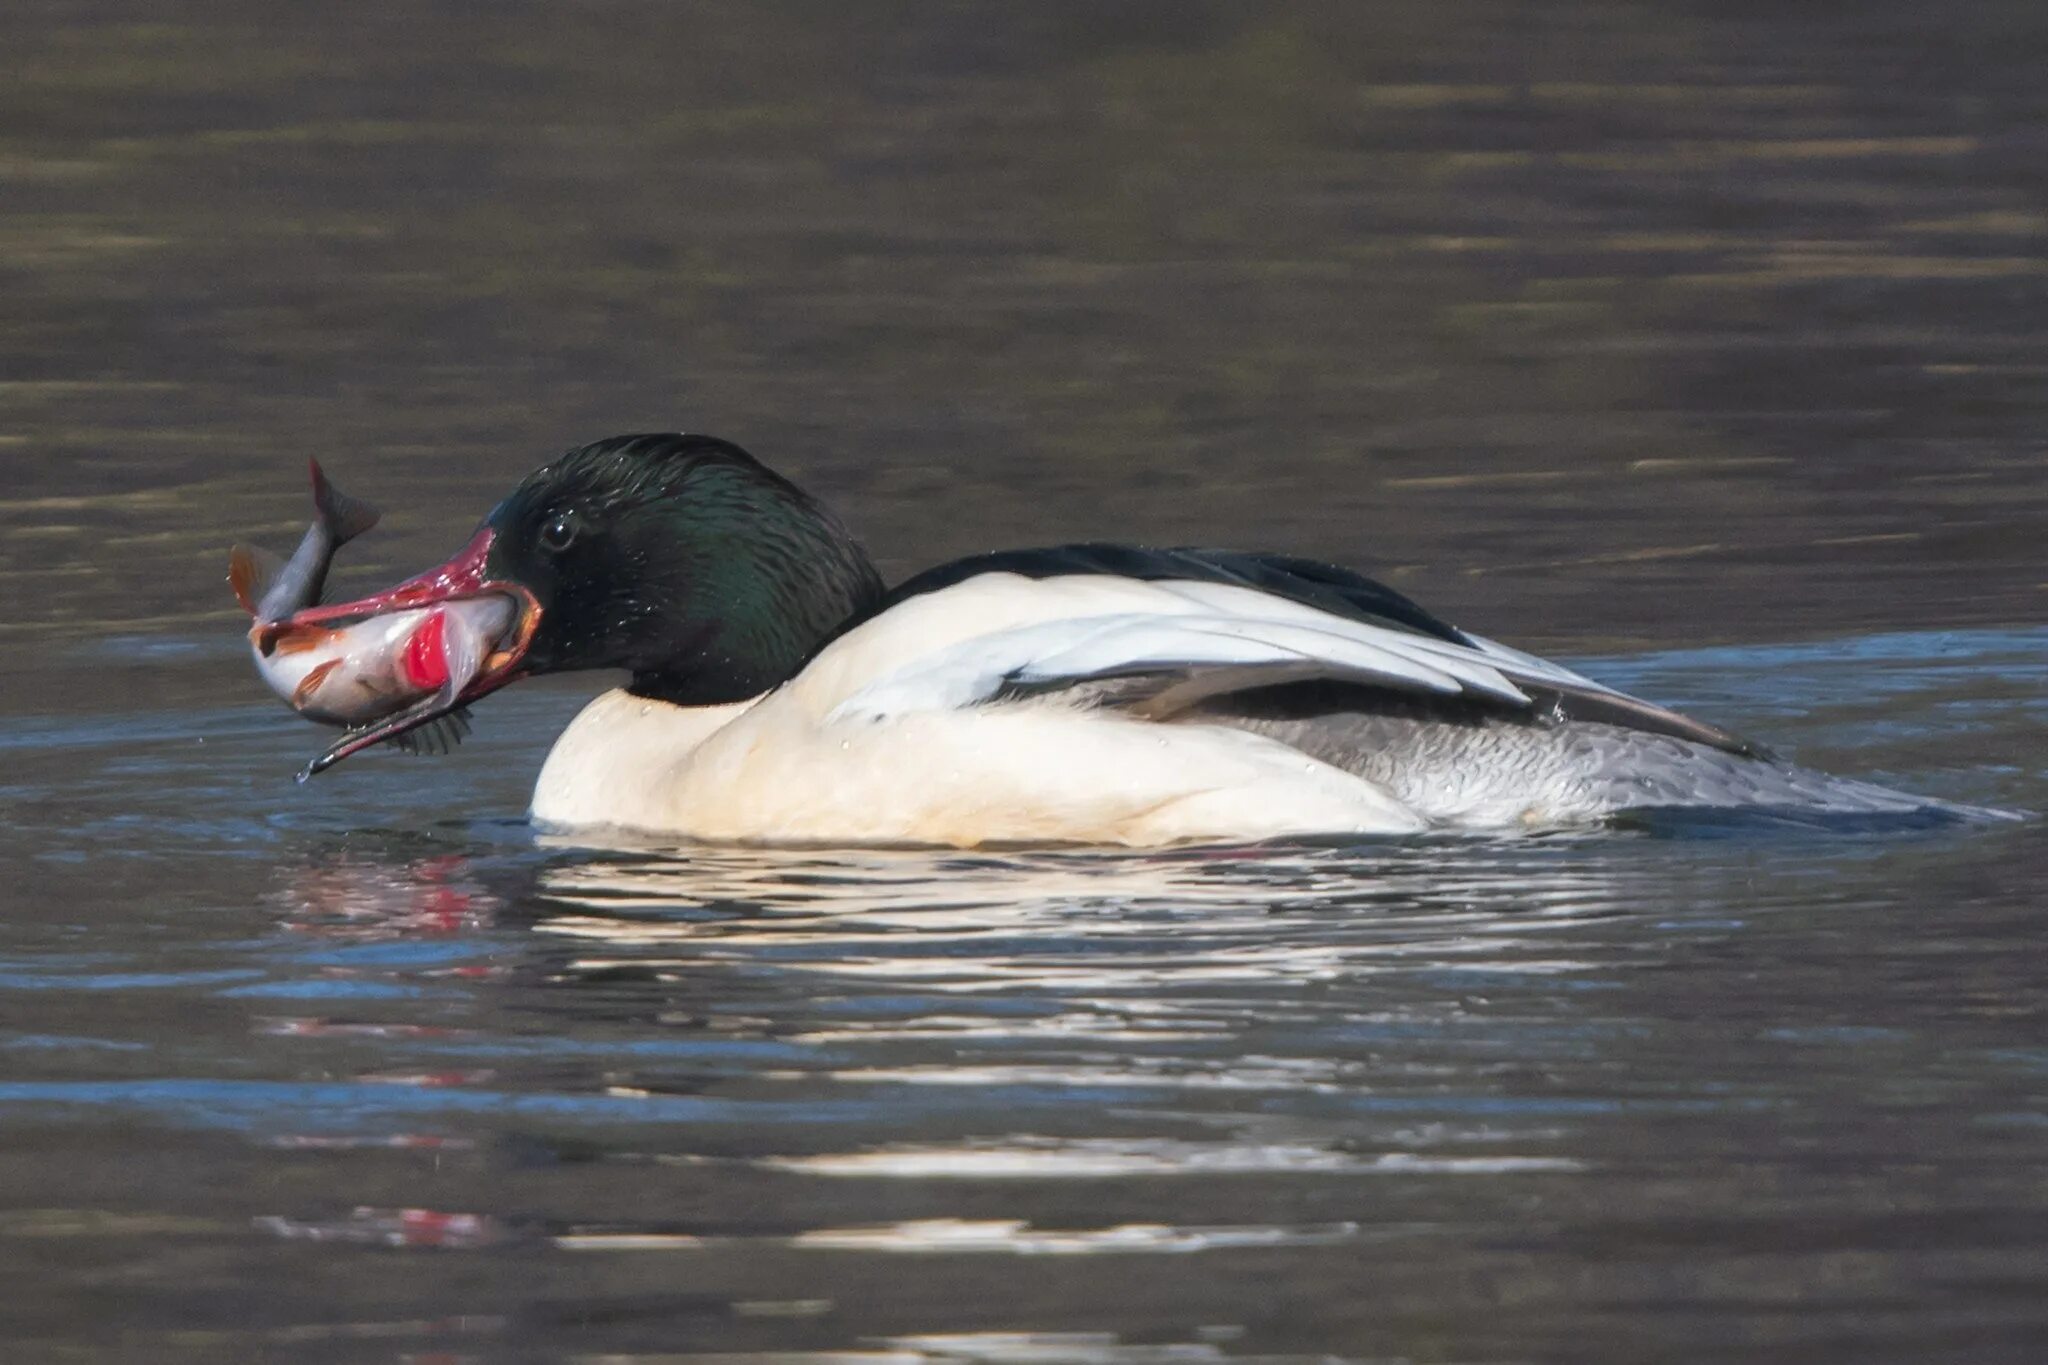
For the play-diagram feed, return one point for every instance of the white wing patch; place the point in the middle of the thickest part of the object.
(1236, 600)
(1000, 631)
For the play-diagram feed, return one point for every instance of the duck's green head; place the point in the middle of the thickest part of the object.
(679, 558)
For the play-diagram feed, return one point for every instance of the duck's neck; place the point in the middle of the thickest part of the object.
(616, 762)
(760, 593)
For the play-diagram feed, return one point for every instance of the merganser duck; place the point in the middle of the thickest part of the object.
(1095, 693)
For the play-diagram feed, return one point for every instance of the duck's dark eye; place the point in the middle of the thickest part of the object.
(559, 533)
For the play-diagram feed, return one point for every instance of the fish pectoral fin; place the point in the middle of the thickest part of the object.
(436, 737)
(308, 685)
(251, 572)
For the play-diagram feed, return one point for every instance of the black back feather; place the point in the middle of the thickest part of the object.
(1312, 583)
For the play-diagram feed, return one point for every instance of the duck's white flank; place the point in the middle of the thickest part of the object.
(894, 733)
(1029, 772)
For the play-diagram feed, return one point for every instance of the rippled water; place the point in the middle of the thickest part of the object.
(1702, 350)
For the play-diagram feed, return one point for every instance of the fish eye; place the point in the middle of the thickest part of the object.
(560, 532)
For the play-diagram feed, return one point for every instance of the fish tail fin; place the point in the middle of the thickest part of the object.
(344, 517)
(250, 573)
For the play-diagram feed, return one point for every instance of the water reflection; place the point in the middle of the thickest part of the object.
(344, 894)
(972, 922)
(1002, 999)
(800, 1016)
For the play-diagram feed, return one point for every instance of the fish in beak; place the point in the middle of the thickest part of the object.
(399, 666)
(408, 657)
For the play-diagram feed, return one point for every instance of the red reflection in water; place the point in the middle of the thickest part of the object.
(392, 1227)
(289, 1027)
(318, 1142)
(431, 1079)
(355, 898)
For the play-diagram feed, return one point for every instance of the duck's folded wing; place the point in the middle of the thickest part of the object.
(1158, 648)
(1049, 656)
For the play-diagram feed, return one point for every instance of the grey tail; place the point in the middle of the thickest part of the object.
(344, 517)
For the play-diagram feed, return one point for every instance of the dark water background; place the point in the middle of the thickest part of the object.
(1701, 344)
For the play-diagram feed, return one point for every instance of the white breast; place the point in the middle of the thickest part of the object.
(617, 758)
(1029, 773)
